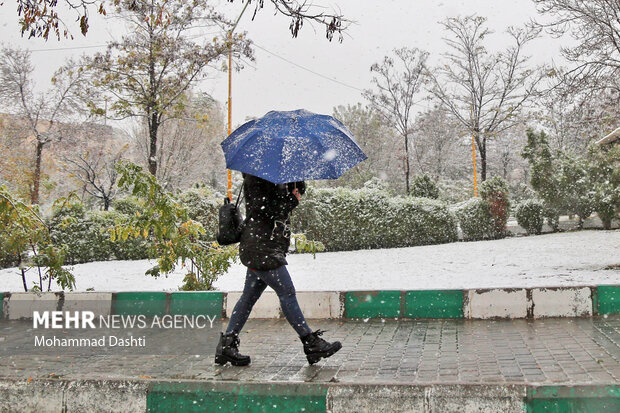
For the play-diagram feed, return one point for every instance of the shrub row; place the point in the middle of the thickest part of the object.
(341, 218)
(348, 219)
(87, 237)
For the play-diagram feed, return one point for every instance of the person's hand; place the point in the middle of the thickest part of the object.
(297, 194)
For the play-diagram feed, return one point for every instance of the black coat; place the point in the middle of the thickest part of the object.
(266, 234)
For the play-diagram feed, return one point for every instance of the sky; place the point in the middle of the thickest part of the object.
(309, 71)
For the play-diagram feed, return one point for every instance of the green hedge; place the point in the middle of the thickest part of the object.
(475, 219)
(530, 215)
(341, 218)
(606, 206)
(86, 232)
(203, 206)
(424, 186)
(347, 219)
(86, 235)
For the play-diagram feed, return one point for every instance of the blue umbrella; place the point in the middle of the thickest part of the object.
(292, 146)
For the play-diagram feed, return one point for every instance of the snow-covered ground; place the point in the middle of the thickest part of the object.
(569, 258)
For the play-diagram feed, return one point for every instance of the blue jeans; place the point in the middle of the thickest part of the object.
(255, 283)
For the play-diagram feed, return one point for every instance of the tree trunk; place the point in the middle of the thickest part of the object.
(153, 126)
(34, 196)
(106, 203)
(483, 160)
(23, 271)
(481, 144)
(153, 113)
(606, 223)
(40, 278)
(407, 168)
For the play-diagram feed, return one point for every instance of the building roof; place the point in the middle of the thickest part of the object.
(615, 135)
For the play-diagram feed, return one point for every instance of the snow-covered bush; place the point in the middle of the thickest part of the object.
(68, 227)
(423, 186)
(475, 219)
(377, 184)
(520, 192)
(454, 191)
(203, 206)
(129, 205)
(346, 219)
(552, 216)
(545, 175)
(530, 216)
(129, 249)
(495, 191)
(87, 237)
(576, 185)
(87, 233)
(605, 175)
(606, 206)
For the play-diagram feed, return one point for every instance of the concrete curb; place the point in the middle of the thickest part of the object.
(498, 303)
(57, 395)
(61, 395)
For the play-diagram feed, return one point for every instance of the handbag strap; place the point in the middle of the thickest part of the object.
(240, 195)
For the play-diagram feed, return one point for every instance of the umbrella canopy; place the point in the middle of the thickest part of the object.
(292, 146)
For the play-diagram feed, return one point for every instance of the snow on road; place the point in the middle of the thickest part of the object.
(570, 258)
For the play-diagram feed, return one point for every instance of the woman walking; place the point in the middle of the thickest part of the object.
(264, 243)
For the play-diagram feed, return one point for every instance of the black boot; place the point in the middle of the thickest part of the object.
(316, 348)
(228, 350)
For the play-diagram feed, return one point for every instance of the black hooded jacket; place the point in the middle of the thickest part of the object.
(266, 234)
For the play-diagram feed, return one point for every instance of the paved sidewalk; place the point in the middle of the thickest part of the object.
(548, 351)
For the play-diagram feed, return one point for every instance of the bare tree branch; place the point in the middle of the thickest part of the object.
(486, 92)
(595, 25)
(42, 111)
(40, 18)
(398, 82)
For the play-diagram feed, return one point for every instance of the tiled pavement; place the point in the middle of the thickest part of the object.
(547, 351)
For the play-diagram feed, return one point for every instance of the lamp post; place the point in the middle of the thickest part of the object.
(473, 148)
(230, 33)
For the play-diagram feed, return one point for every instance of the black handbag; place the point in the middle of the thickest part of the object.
(231, 222)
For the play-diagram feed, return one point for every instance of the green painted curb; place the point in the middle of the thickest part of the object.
(228, 397)
(594, 295)
(372, 304)
(434, 304)
(567, 399)
(3, 313)
(135, 303)
(608, 297)
(197, 303)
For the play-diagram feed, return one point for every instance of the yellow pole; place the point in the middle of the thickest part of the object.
(230, 33)
(230, 195)
(473, 149)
